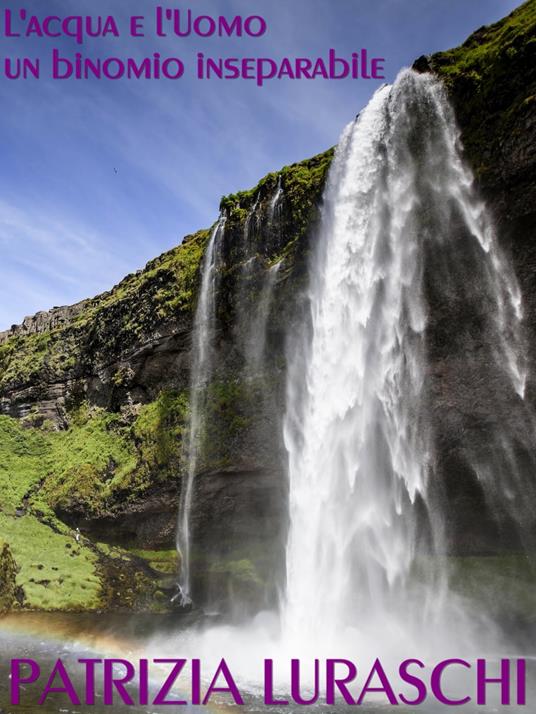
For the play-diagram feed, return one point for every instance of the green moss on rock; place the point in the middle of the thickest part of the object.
(54, 572)
(158, 434)
(22, 357)
(86, 464)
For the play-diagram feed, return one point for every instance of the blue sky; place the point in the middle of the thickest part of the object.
(97, 178)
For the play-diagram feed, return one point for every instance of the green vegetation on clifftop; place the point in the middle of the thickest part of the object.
(302, 186)
(104, 328)
(108, 324)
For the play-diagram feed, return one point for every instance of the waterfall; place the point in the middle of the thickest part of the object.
(255, 305)
(275, 201)
(410, 349)
(365, 509)
(251, 217)
(203, 336)
(256, 338)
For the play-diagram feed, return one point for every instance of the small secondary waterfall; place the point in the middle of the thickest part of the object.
(275, 201)
(237, 379)
(256, 287)
(250, 224)
(356, 429)
(203, 336)
(256, 339)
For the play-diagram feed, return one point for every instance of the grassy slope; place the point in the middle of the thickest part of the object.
(40, 470)
(54, 571)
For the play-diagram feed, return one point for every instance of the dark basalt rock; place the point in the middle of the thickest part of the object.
(148, 523)
(422, 64)
(239, 535)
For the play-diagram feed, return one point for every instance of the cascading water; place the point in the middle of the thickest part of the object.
(255, 304)
(234, 384)
(410, 297)
(250, 225)
(363, 503)
(256, 339)
(203, 336)
(275, 202)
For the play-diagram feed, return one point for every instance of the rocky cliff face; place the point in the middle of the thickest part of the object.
(95, 397)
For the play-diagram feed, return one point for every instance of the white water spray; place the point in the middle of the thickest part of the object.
(250, 224)
(275, 202)
(360, 454)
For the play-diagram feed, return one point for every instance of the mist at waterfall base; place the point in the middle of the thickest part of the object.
(367, 566)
